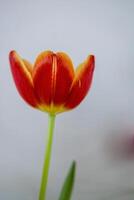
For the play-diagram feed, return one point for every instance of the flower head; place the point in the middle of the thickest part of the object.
(51, 84)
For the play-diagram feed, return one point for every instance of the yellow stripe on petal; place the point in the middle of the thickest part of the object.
(28, 66)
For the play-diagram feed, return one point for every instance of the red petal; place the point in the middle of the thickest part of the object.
(42, 77)
(81, 83)
(64, 75)
(53, 75)
(22, 78)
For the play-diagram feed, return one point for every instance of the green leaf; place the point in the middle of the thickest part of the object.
(68, 184)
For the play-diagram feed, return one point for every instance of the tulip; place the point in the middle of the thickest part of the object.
(51, 85)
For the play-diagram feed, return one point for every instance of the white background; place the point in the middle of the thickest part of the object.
(99, 27)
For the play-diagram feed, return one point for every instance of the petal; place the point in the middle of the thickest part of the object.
(64, 75)
(42, 77)
(22, 78)
(52, 76)
(81, 83)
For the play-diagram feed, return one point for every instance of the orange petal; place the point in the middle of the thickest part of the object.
(81, 83)
(22, 78)
(52, 76)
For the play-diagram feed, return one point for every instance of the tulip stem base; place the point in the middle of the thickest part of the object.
(46, 166)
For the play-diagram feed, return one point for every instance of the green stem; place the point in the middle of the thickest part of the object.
(45, 172)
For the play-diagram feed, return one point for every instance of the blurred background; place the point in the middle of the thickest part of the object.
(99, 134)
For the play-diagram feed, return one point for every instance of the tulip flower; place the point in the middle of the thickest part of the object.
(51, 85)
